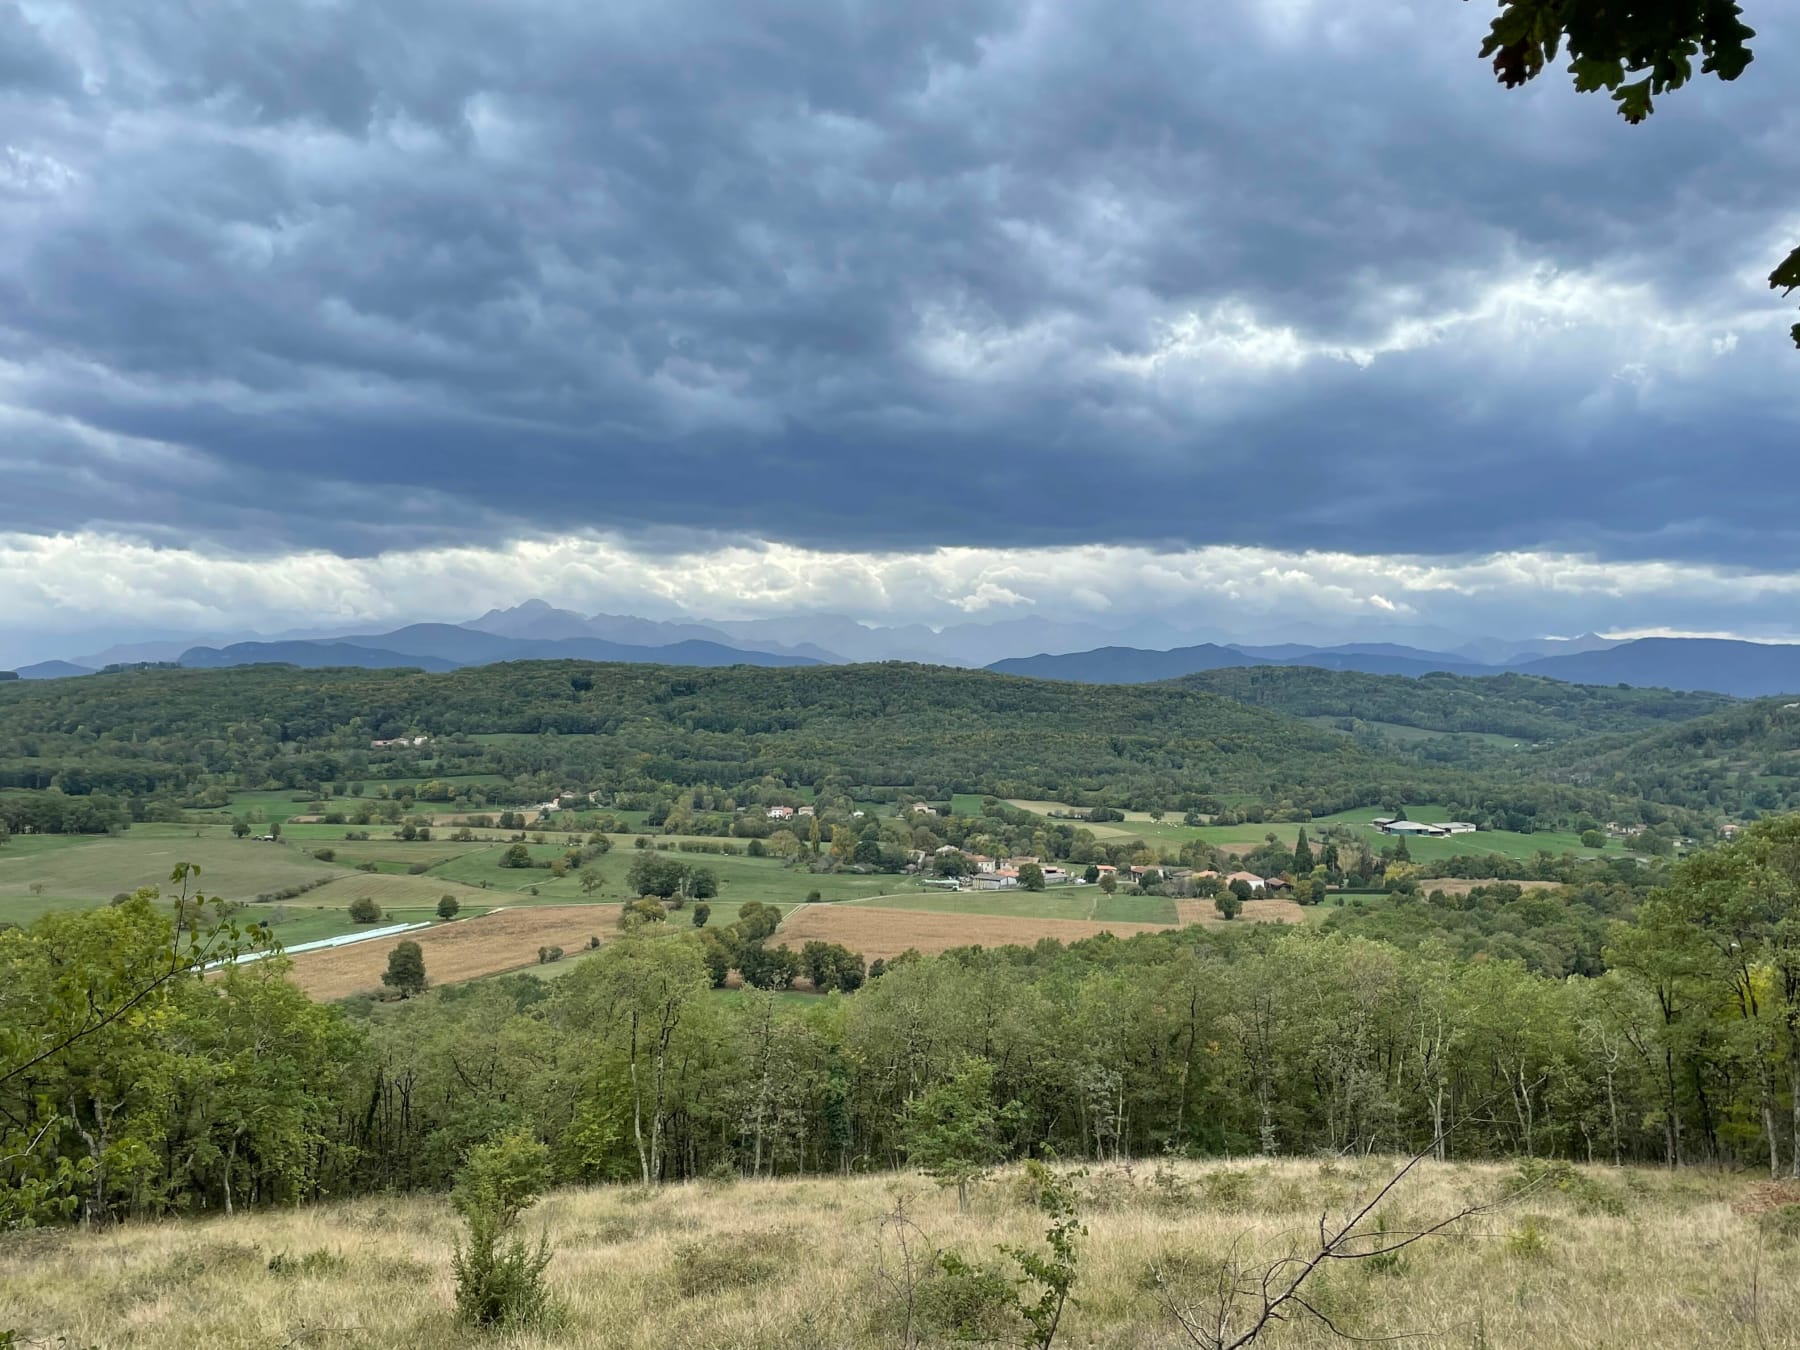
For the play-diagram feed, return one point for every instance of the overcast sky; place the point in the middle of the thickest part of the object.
(325, 312)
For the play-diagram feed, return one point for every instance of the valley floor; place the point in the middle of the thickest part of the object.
(1608, 1258)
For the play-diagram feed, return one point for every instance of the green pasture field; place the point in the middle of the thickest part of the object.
(742, 997)
(1133, 908)
(398, 852)
(97, 869)
(1173, 834)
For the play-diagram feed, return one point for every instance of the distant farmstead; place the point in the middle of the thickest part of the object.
(1422, 829)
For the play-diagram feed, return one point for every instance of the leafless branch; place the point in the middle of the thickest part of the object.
(1275, 1292)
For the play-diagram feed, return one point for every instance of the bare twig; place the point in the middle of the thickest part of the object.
(1275, 1292)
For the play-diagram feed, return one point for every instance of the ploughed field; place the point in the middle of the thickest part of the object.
(1597, 1257)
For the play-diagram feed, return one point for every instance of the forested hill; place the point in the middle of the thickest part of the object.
(1744, 759)
(1526, 706)
(931, 730)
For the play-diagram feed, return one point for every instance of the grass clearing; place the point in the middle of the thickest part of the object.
(101, 866)
(1680, 1268)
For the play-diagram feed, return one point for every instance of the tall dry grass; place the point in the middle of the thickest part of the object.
(1632, 1258)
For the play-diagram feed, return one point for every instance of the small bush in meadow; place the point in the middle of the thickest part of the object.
(499, 1278)
(1527, 1242)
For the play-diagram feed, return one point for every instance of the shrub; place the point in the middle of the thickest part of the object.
(316, 1262)
(1590, 1196)
(593, 943)
(366, 867)
(499, 1279)
(325, 854)
(739, 1261)
(965, 1302)
(519, 855)
(1228, 1189)
(548, 954)
(1782, 1222)
(419, 869)
(1526, 1241)
(363, 909)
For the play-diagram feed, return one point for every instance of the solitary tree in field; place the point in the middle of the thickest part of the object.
(364, 909)
(1229, 904)
(405, 972)
(1633, 51)
(1108, 882)
(519, 855)
(448, 907)
(1031, 877)
(240, 828)
(702, 912)
(591, 880)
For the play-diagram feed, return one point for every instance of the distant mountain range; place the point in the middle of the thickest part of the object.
(1081, 652)
(1739, 669)
(443, 646)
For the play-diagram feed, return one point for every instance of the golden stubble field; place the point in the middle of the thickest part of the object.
(506, 939)
(807, 1265)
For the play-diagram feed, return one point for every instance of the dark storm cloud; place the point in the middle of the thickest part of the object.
(880, 276)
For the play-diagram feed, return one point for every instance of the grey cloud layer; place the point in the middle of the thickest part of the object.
(393, 274)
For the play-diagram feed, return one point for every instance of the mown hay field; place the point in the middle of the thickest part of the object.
(503, 940)
(1622, 1259)
(1254, 911)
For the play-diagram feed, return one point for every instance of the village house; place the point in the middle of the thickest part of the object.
(781, 813)
(1001, 879)
(805, 811)
(1255, 882)
(921, 809)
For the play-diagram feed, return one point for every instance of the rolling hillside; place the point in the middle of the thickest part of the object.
(1529, 707)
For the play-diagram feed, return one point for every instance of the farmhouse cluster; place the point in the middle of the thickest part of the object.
(1419, 829)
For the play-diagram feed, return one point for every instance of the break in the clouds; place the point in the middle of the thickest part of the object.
(74, 586)
(368, 287)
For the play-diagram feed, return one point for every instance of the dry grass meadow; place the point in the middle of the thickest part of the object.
(506, 939)
(1659, 1260)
